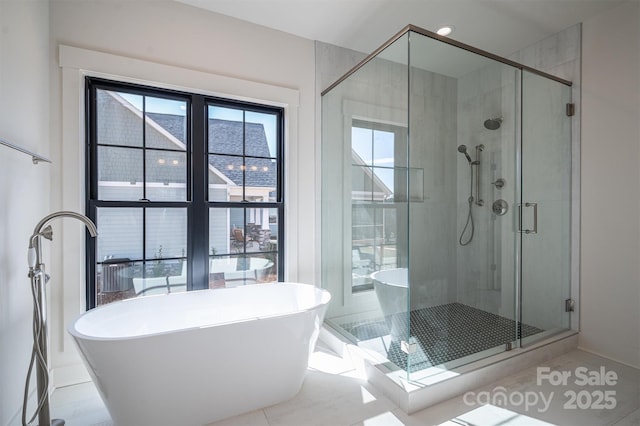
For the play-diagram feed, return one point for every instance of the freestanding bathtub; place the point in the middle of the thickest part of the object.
(392, 289)
(197, 357)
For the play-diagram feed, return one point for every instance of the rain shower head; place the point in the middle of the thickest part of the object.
(493, 123)
(463, 150)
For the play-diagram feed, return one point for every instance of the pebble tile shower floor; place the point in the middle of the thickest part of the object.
(444, 333)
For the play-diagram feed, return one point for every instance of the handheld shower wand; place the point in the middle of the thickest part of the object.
(469, 223)
(39, 353)
(463, 150)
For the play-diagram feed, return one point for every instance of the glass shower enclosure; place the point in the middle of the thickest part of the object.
(446, 200)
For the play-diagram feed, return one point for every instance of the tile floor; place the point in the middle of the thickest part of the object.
(336, 393)
(443, 333)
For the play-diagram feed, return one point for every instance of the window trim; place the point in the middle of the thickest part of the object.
(196, 203)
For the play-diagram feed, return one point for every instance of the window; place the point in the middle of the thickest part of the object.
(186, 191)
(379, 182)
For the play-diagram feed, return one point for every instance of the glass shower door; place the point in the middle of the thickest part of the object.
(462, 145)
(545, 207)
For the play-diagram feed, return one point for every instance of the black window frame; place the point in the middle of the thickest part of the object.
(197, 201)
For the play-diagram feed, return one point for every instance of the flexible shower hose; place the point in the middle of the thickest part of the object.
(469, 222)
(37, 353)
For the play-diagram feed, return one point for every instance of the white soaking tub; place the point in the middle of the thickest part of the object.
(392, 289)
(197, 357)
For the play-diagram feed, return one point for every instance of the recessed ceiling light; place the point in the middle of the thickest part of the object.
(445, 30)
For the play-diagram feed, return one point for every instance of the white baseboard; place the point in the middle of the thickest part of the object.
(69, 375)
(60, 377)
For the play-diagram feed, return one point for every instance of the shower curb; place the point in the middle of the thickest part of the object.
(413, 396)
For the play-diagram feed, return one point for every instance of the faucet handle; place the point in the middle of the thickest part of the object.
(499, 183)
(31, 257)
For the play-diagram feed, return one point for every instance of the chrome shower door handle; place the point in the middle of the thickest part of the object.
(535, 218)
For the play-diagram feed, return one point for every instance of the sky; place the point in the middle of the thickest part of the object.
(376, 148)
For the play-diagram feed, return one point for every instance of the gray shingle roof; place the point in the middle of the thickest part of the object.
(118, 125)
(225, 145)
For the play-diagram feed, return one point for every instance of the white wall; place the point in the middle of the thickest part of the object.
(187, 42)
(24, 195)
(610, 287)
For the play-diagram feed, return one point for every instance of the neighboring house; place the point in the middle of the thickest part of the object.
(120, 176)
(366, 184)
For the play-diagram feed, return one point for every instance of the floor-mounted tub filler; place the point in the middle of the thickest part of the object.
(196, 357)
(39, 279)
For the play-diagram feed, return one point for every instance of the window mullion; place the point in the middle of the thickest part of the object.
(244, 159)
(198, 223)
(373, 170)
(144, 241)
(244, 177)
(144, 149)
(144, 186)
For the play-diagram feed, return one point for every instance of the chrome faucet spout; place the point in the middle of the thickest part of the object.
(38, 230)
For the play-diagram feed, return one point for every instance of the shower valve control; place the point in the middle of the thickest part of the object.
(500, 207)
(499, 183)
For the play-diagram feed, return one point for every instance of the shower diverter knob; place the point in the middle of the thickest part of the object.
(499, 183)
